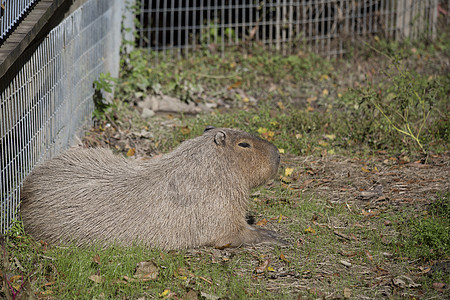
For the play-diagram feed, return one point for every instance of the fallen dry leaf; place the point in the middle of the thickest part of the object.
(439, 286)
(404, 282)
(369, 213)
(347, 293)
(288, 171)
(310, 230)
(97, 278)
(96, 259)
(369, 256)
(235, 85)
(15, 278)
(262, 222)
(263, 267)
(131, 152)
(365, 170)
(146, 270)
(283, 258)
(323, 143)
(185, 130)
(311, 99)
(285, 179)
(324, 77)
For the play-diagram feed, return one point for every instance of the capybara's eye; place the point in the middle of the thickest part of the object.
(244, 145)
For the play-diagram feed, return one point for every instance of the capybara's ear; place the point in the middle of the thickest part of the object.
(219, 138)
(208, 128)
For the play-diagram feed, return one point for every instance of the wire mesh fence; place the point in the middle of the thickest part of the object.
(48, 99)
(322, 26)
(11, 12)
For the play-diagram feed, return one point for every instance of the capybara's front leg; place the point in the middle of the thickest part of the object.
(250, 235)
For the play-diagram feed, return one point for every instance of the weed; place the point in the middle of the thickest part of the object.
(407, 103)
(103, 85)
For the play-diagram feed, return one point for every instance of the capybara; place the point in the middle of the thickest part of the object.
(196, 195)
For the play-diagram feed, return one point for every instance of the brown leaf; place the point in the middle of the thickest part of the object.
(97, 278)
(285, 179)
(365, 170)
(404, 282)
(15, 278)
(262, 222)
(146, 270)
(307, 182)
(131, 152)
(283, 258)
(185, 130)
(235, 85)
(440, 286)
(49, 283)
(369, 213)
(96, 259)
(263, 267)
(381, 270)
(128, 279)
(347, 293)
(369, 256)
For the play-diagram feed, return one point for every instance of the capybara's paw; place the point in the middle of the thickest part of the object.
(269, 237)
(251, 236)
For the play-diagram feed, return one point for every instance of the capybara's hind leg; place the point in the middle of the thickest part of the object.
(250, 235)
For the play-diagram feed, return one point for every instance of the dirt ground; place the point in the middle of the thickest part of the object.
(380, 181)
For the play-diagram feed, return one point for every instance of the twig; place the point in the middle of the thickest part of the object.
(217, 76)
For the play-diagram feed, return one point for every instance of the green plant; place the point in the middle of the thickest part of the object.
(405, 100)
(102, 85)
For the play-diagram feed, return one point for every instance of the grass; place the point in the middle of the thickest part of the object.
(310, 107)
(310, 266)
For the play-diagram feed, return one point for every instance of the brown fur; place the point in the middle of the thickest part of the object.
(195, 196)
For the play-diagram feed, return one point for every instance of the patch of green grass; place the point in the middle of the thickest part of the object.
(320, 234)
(399, 110)
(248, 69)
(426, 235)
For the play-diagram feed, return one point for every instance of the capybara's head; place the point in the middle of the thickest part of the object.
(256, 159)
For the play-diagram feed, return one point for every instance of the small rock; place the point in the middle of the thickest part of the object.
(147, 113)
(346, 263)
(367, 194)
